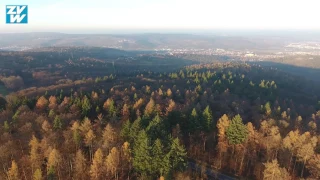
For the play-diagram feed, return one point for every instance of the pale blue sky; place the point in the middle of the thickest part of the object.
(71, 15)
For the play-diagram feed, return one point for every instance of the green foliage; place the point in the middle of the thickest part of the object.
(6, 126)
(177, 155)
(112, 109)
(237, 132)
(267, 109)
(155, 128)
(15, 116)
(193, 121)
(224, 77)
(160, 161)
(57, 123)
(125, 130)
(182, 75)
(97, 109)
(173, 75)
(98, 79)
(51, 173)
(86, 106)
(198, 88)
(207, 119)
(51, 113)
(149, 149)
(135, 129)
(77, 102)
(61, 95)
(262, 84)
(196, 80)
(141, 154)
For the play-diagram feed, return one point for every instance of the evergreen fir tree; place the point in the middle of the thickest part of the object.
(57, 123)
(125, 130)
(85, 106)
(141, 154)
(237, 132)
(155, 128)
(207, 119)
(177, 155)
(135, 129)
(51, 173)
(160, 162)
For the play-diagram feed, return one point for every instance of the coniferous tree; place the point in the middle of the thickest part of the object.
(85, 106)
(126, 157)
(160, 162)
(267, 109)
(272, 171)
(141, 154)
(155, 128)
(35, 153)
(13, 172)
(222, 146)
(177, 155)
(57, 123)
(305, 152)
(37, 175)
(135, 129)
(313, 166)
(169, 92)
(150, 107)
(6, 126)
(125, 112)
(112, 111)
(170, 107)
(51, 113)
(85, 126)
(96, 169)
(207, 119)
(51, 173)
(76, 136)
(109, 137)
(80, 167)
(125, 130)
(194, 121)
(89, 140)
(112, 162)
(42, 103)
(53, 165)
(237, 132)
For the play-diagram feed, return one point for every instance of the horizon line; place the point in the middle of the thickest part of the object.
(161, 31)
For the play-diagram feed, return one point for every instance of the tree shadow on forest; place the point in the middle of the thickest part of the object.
(306, 72)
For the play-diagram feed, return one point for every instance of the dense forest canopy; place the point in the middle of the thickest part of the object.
(89, 117)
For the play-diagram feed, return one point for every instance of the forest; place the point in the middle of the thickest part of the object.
(240, 120)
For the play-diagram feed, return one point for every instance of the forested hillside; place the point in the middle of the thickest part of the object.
(243, 120)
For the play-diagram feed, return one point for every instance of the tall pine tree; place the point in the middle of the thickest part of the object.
(177, 155)
(207, 119)
(141, 154)
(237, 132)
(160, 162)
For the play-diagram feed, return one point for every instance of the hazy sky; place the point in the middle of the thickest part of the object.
(64, 15)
